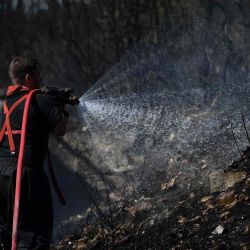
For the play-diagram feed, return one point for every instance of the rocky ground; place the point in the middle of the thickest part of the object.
(220, 220)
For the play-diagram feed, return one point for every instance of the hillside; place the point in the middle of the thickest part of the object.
(220, 220)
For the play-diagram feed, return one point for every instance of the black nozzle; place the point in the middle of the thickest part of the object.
(73, 100)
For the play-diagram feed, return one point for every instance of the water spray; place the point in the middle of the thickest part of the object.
(159, 103)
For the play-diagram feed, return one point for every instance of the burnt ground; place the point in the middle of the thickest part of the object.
(193, 224)
(217, 221)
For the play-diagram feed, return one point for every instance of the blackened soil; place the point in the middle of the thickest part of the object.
(219, 221)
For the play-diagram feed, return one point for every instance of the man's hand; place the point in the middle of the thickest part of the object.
(61, 96)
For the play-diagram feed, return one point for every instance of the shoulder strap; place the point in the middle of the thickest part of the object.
(16, 88)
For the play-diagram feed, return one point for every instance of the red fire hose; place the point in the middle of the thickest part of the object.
(19, 169)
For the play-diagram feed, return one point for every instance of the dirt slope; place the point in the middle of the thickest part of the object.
(217, 221)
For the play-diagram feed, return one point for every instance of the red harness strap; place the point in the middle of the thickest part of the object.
(6, 128)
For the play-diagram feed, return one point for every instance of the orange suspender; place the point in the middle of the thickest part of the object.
(6, 128)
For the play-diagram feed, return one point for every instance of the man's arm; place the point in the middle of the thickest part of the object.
(53, 116)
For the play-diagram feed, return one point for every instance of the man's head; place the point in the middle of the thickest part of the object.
(25, 71)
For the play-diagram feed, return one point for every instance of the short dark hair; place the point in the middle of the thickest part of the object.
(20, 66)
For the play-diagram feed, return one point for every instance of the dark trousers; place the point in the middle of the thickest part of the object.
(36, 211)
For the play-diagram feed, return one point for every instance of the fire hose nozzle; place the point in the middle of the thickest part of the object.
(62, 96)
(74, 100)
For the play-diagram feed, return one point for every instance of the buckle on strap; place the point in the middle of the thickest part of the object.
(13, 153)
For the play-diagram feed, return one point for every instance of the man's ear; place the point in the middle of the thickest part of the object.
(28, 78)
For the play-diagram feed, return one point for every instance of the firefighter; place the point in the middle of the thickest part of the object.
(35, 223)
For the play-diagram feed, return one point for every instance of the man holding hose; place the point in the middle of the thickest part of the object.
(45, 116)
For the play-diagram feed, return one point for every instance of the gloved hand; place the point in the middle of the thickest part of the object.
(62, 96)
